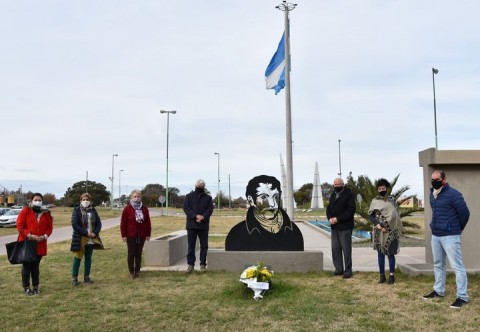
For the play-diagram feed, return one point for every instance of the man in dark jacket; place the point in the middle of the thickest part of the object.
(340, 213)
(198, 207)
(450, 215)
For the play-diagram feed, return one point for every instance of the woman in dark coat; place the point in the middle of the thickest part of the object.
(86, 226)
(135, 227)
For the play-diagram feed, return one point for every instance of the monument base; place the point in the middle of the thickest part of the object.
(278, 261)
(426, 269)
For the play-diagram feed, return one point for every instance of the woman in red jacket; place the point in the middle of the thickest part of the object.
(135, 227)
(36, 224)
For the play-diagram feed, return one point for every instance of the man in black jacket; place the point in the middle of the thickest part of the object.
(340, 213)
(198, 208)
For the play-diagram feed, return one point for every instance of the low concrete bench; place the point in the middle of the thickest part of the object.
(166, 250)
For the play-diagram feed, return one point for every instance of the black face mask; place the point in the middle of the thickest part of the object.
(338, 189)
(383, 193)
(199, 190)
(437, 184)
(37, 208)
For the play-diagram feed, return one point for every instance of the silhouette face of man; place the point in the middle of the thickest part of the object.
(267, 202)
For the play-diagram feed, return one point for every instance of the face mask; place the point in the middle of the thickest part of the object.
(338, 189)
(37, 203)
(85, 203)
(199, 190)
(437, 184)
(382, 193)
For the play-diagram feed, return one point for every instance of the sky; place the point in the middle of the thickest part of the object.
(83, 80)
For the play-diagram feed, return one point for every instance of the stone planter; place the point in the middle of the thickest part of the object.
(166, 250)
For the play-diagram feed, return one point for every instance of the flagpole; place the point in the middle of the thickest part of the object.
(287, 7)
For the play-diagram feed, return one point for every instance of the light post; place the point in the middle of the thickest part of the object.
(339, 160)
(112, 178)
(434, 72)
(218, 177)
(166, 185)
(120, 184)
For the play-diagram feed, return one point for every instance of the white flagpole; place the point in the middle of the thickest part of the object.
(286, 7)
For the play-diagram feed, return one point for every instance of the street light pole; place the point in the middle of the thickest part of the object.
(120, 184)
(168, 129)
(339, 160)
(218, 177)
(434, 72)
(112, 178)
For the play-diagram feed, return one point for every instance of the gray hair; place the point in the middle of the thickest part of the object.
(200, 183)
(135, 191)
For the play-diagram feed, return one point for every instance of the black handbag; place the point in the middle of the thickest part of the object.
(21, 252)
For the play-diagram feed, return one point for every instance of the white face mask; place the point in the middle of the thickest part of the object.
(37, 203)
(85, 203)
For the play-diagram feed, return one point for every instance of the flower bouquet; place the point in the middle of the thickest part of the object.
(258, 278)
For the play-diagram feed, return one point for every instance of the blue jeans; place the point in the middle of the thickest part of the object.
(381, 263)
(451, 247)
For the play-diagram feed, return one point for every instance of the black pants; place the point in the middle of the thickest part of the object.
(135, 248)
(192, 241)
(31, 269)
(342, 251)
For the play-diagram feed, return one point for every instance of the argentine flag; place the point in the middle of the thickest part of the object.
(275, 73)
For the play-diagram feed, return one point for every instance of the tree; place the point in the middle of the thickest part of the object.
(97, 190)
(327, 190)
(49, 198)
(367, 190)
(303, 196)
(151, 193)
(223, 200)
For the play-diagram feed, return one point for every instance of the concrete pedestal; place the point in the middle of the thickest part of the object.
(462, 168)
(278, 261)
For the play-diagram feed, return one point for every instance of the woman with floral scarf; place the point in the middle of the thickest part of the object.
(135, 228)
(387, 229)
(86, 226)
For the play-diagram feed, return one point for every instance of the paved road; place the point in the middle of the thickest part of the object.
(65, 233)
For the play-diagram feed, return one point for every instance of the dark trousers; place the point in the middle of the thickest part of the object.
(135, 248)
(192, 241)
(342, 250)
(31, 269)
(381, 263)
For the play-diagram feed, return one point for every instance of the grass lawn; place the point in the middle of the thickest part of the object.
(217, 301)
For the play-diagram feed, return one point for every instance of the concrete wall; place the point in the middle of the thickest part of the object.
(278, 261)
(462, 168)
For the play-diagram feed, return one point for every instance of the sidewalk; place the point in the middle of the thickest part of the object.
(364, 259)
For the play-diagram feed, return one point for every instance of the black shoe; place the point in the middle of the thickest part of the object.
(458, 303)
(382, 279)
(36, 290)
(28, 291)
(391, 279)
(74, 281)
(87, 280)
(347, 276)
(337, 273)
(132, 275)
(432, 295)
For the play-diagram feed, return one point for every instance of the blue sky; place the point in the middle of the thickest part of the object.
(82, 80)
